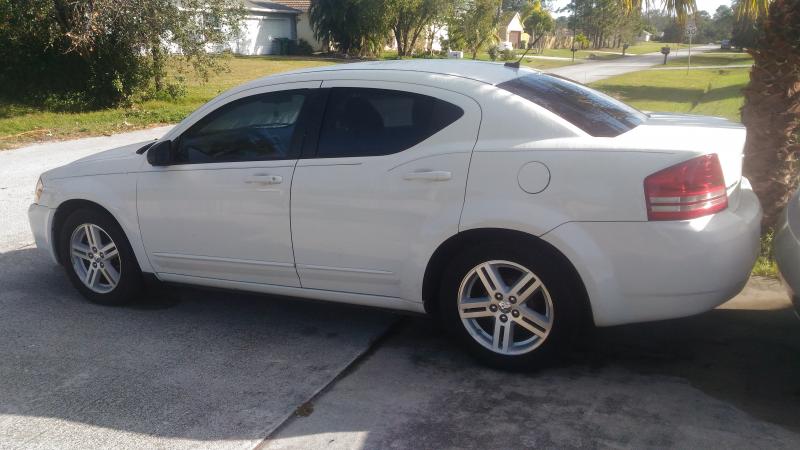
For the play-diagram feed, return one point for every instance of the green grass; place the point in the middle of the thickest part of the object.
(765, 264)
(652, 47)
(21, 124)
(714, 59)
(714, 92)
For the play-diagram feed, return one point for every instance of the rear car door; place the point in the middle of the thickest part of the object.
(385, 184)
(221, 209)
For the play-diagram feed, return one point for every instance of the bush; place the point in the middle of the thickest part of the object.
(300, 48)
(492, 51)
(67, 58)
(508, 55)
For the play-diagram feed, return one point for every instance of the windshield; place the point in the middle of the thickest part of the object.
(591, 111)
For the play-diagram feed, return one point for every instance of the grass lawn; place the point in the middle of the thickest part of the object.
(654, 47)
(714, 92)
(713, 59)
(21, 124)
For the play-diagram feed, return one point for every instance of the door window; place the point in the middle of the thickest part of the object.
(258, 128)
(371, 122)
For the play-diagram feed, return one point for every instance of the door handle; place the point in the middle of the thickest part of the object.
(264, 179)
(429, 175)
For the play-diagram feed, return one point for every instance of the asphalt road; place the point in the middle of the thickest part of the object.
(597, 70)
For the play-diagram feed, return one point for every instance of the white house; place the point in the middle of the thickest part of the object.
(264, 23)
(511, 30)
(304, 30)
(645, 36)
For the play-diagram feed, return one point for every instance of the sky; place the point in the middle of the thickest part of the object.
(702, 5)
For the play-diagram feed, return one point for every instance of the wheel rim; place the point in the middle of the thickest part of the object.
(95, 258)
(505, 307)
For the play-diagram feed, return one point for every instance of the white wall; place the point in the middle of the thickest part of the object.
(304, 31)
(259, 34)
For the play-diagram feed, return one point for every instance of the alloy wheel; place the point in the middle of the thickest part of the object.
(95, 258)
(505, 307)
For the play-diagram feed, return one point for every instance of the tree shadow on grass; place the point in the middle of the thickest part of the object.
(722, 93)
(654, 93)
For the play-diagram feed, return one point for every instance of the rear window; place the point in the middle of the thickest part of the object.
(591, 111)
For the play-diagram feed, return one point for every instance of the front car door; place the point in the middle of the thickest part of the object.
(221, 209)
(385, 185)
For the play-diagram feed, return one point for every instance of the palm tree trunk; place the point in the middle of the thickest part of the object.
(771, 110)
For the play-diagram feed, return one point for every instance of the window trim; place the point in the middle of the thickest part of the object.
(295, 147)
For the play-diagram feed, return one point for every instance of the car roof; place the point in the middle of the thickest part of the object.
(481, 71)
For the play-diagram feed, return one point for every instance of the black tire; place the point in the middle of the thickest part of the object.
(130, 283)
(548, 268)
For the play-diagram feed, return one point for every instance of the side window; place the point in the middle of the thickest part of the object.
(372, 122)
(257, 128)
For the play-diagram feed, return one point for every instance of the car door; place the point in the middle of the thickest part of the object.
(220, 210)
(385, 184)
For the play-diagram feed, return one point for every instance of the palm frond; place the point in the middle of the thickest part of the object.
(751, 9)
(681, 8)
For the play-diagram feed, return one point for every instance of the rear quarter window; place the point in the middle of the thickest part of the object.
(593, 112)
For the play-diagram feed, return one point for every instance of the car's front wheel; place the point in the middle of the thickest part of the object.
(98, 258)
(510, 307)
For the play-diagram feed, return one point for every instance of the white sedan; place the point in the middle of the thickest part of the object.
(514, 205)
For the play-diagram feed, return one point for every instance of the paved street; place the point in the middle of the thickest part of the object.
(597, 70)
(194, 369)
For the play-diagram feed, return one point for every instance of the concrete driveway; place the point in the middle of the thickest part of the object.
(194, 369)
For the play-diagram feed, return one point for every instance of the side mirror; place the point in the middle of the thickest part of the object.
(160, 154)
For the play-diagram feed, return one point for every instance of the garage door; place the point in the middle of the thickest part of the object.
(268, 31)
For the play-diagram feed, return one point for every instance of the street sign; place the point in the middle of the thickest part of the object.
(691, 30)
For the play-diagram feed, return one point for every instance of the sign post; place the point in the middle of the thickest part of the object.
(691, 30)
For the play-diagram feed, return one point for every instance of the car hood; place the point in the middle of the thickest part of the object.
(118, 160)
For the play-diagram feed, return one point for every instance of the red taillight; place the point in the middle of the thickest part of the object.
(687, 190)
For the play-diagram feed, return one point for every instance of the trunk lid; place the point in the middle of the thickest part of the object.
(697, 135)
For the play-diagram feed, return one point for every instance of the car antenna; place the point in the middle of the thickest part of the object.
(515, 64)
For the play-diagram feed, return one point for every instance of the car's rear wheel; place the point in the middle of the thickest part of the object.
(98, 258)
(511, 307)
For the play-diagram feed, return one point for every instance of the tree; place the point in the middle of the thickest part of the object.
(475, 24)
(538, 22)
(409, 19)
(99, 52)
(723, 22)
(771, 110)
(354, 27)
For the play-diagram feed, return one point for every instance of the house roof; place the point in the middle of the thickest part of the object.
(507, 17)
(257, 5)
(300, 5)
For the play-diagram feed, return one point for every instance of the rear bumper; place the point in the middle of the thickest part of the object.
(643, 271)
(41, 222)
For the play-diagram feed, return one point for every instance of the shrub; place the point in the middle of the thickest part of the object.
(300, 48)
(492, 51)
(80, 54)
(508, 55)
